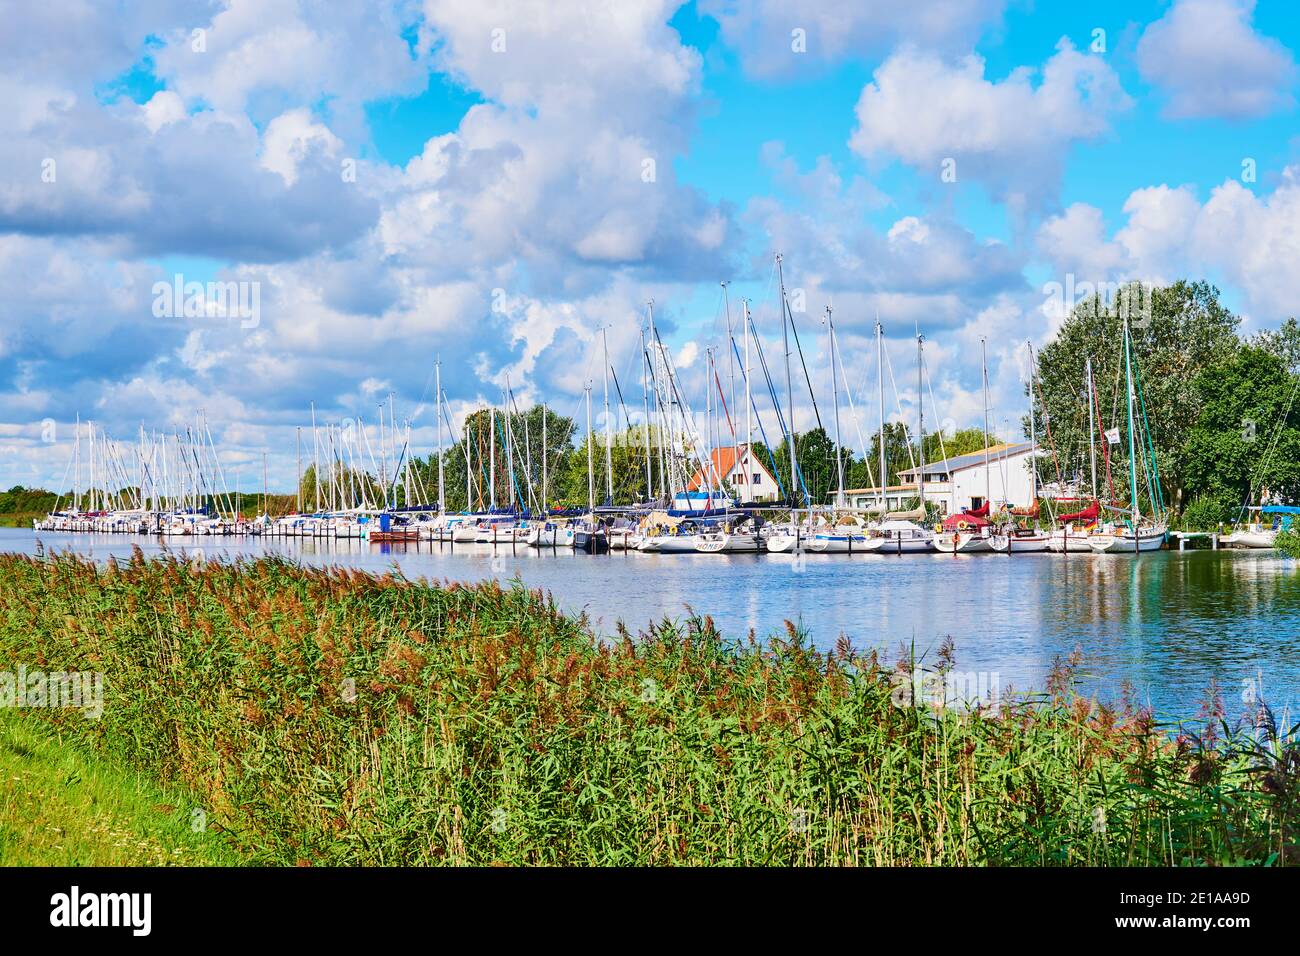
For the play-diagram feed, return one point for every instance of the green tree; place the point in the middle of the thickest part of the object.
(1247, 438)
(1184, 331)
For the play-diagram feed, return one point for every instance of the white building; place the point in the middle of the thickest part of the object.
(963, 482)
(744, 473)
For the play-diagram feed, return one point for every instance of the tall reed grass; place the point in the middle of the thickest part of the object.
(334, 717)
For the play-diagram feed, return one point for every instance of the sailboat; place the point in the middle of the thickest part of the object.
(1024, 537)
(898, 531)
(970, 532)
(590, 535)
(1136, 534)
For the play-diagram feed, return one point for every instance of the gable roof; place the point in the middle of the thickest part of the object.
(725, 460)
(972, 459)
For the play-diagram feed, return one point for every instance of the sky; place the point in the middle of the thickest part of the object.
(490, 185)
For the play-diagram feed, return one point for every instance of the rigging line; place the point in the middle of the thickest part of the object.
(723, 399)
(853, 411)
(804, 363)
(889, 364)
(776, 473)
(929, 384)
(1266, 460)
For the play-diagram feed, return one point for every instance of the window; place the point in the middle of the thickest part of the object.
(758, 478)
(740, 477)
(976, 503)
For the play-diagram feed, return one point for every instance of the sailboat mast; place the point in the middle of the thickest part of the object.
(749, 402)
(1092, 434)
(1033, 433)
(609, 434)
(988, 472)
(1132, 445)
(645, 401)
(492, 457)
(591, 475)
(442, 488)
(835, 393)
(880, 383)
(469, 473)
(731, 351)
(920, 422)
(789, 388)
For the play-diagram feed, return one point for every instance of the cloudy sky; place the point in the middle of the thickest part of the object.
(491, 183)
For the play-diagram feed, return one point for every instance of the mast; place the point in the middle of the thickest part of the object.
(315, 457)
(749, 408)
(988, 473)
(1132, 446)
(591, 475)
(645, 400)
(664, 478)
(920, 423)
(880, 383)
(1033, 433)
(609, 435)
(492, 457)
(469, 475)
(545, 474)
(442, 489)
(1092, 430)
(789, 388)
(835, 392)
(731, 352)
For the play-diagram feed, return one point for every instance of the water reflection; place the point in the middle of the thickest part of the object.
(1167, 622)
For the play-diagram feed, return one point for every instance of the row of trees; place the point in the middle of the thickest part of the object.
(1221, 408)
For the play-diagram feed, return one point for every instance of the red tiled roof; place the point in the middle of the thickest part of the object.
(724, 461)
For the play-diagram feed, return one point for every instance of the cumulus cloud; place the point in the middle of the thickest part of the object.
(763, 31)
(1211, 62)
(1011, 135)
(1169, 233)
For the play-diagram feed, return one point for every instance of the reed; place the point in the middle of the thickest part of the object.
(334, 717)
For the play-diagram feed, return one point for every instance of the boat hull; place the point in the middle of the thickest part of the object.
(1018, 543)
(1122, 543)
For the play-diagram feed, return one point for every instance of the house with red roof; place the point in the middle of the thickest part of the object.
(742, 473)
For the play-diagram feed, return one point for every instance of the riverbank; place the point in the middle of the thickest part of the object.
(337, 717)
(61, 805)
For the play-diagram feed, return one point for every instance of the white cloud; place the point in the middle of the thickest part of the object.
(1010, 135)
(761, 31)
(1248, 240)
(1208, 58)
(288, 140)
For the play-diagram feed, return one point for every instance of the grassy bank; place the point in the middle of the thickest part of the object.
(334, 717)
(63, 806)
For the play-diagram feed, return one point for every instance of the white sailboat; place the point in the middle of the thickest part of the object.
(1136, 534)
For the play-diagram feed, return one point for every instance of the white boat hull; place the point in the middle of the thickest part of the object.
(1124, 542)
(728, 543)
(1018, 544)
(1249, 539)
(957, 542)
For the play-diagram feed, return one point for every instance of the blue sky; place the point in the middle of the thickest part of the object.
(420, 179)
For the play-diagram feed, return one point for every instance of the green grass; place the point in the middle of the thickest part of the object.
(332, 717)
(62, 806)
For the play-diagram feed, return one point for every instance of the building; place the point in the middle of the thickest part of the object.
(962, 482)
(743, 473)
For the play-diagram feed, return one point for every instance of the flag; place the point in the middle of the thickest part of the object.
(1112, 436)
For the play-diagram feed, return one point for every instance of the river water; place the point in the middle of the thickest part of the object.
(1166, 622)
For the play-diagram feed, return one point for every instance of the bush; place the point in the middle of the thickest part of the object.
(1210, 510)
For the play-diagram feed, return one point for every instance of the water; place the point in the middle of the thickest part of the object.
(1166, 622)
